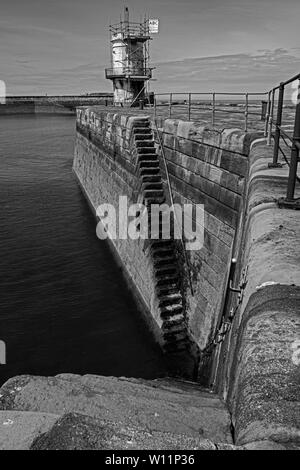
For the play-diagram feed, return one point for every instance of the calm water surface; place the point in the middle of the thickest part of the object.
(64, 306)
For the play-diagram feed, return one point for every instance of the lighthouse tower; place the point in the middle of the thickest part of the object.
(129, 69)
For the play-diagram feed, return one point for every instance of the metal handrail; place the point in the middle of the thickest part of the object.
(275, 96)
(289, 200)
(295, 154)
(214, 106)
(130, 29)
(131, 70)
(278, 130)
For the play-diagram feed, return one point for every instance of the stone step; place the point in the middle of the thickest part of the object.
(144, 144)
(163, 251)
(149, 171)
(175, 346)
(173, 321)
(168, 289)
(162, 260)
(152, 185)
(77, 432)
(153, 193)
(147, 157)
(150, 405)
(141, 124)
(149, 164)
(170, 299)
(158, 245)
(177, 337)
(154, 200)
(145, 150)
(19, 429)
(168, 311)
(143, 136)
(166, 269)
(142, 130)
(73, 431)
(151, 179)
(164, 279)
(158, 234)
(165, 232)
(178, 328)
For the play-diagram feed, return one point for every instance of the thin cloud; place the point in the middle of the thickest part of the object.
(63, 45)
(243, 71)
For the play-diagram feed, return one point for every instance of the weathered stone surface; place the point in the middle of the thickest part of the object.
(18, 429)
(108, 164)
(267, 397)
(79, 432)
(264, 445)
(259, 368)
(258, 364)
(162, 406)
(205, 166)
(221, 446)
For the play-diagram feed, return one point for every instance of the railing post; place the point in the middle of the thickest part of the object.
(246, 111)
(154, 106)
(267, 114)
(189, 104)
(289, 201)
(170, 105)
(213, 110)
(264, 107)
(270, 123)
(275, 163)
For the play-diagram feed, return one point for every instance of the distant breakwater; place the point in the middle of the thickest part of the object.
(61, 104)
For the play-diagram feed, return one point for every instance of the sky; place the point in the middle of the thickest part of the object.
(62, 46)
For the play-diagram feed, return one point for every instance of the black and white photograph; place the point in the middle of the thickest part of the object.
(150, 228)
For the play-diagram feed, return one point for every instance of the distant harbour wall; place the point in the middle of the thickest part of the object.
(51, 104)
(33, 108)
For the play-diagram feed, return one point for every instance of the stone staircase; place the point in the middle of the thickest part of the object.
(94, 412)
(164, 252)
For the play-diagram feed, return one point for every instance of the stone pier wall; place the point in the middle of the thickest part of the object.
(256, 367)
(115, 156)
(183, 303)
(207, 167)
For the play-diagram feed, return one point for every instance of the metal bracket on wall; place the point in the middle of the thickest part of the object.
(226, 321)
(242, 285)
